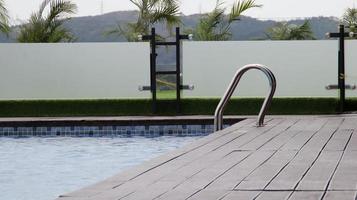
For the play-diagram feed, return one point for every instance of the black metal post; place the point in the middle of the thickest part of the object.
(153, 70)
(341, 67)
(178, 70)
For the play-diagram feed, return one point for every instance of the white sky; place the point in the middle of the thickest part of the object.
(272, 9)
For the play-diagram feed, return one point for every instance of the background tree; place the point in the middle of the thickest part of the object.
(216, 25)
(285, 31)
(349, 18)
(4, 18)
(42, 28)
(150, 12)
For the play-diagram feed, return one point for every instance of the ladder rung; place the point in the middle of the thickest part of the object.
(335, 87)
(165, 43)
(166, 72)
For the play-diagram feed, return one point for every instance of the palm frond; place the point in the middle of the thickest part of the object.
(216, 25)
(210, 26)
(49, 28)
(240, 7)
(43, 6)
(150, 13)
(285, 31)
(350, 17)
(4, 18)
(302, 32)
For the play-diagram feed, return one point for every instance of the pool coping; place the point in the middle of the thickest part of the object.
(118, 121)
(134, 120)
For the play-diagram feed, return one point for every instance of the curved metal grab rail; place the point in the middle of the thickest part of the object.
(218, 116)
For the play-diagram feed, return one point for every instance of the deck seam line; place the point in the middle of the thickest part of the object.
(262, 133)
(294, 155)
(318, 155)
(296, 121)
(338, 164)
(297, 152)
(279, 133)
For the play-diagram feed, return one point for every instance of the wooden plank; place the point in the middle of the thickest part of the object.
(246, 195)
(200, 180)
(94, 189)
(274, 195)
(301, 124)
(318, 176)
(279, 141)
(339, 140)
(297, 142)
(324, 134)
(261, 177)
(261, 140)
(309, 124)
(299, 195)
(226, 182)
(345, 177)
(178, 194)
(340, 195)
(193, 176)
(230, 179)
(290, 176)
(209, 195)
(352, 145)
(349, 123)
(274, 126)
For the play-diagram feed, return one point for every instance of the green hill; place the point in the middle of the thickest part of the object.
(91, 28)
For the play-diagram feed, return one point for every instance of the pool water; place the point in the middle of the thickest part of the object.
(44, 168)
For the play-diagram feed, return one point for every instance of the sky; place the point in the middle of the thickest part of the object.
(20, 10)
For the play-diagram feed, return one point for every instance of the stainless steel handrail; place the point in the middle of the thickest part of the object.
(218, 116)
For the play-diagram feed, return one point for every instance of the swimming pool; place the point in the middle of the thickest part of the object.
(41, 168)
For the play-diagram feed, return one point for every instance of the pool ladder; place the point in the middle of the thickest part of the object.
(218, 116)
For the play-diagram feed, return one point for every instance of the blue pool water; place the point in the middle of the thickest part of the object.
(38, 168)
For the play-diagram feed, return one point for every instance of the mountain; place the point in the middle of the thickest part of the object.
(92, 28)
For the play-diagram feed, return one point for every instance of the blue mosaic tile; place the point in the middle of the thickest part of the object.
(107, 131)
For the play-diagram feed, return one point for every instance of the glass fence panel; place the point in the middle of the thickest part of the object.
(302, 68)
(351, 66)
(74, 71)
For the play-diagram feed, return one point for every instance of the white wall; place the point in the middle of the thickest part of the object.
(74, 71)
(302, 68)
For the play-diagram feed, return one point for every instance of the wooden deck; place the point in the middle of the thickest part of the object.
(290, 158)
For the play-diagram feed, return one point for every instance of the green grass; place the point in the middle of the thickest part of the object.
(166, 94)
(190, 106)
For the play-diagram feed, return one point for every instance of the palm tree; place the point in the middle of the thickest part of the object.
(150, 13)
(4, 18)
(48, 28)
(349, 18)
(216, 25)
(286, 31)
